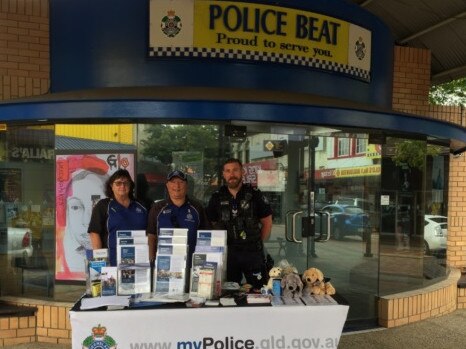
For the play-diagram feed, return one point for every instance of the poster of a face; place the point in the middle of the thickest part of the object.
(80, 184)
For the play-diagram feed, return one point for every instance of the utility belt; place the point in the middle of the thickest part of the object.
(249, 247)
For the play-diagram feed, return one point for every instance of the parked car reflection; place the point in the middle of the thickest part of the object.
(16, 242)
(435, 234)
(347, 220)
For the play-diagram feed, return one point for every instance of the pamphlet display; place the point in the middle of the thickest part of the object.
(208, 264)
(133, 262)
(170, 263)
(95, 261)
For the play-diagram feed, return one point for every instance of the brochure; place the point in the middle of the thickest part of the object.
(132, 254)
(170, 274)
(206, 280)
(108, 278)
(93, 276)
(130, 233)
(140, 240)
(173, 232)
(172, 249)
(200, 260)
(133, 279)
(212, 237)
(167, 240)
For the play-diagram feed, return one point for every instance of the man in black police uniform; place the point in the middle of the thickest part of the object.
(246, 215)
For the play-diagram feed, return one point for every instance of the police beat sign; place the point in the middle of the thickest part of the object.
(258, 32)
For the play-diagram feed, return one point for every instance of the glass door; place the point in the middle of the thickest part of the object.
(323, 192)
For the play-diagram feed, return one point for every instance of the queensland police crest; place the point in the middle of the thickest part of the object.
(171, 24)
(99, 339)
(360, 49)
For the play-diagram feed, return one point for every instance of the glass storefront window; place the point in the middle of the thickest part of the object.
(27, 210)
(379, 222)
(413, 217)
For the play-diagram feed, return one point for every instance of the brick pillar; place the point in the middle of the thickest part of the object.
(456, 255)
(410, 94)
(24, 48)
(411, 80)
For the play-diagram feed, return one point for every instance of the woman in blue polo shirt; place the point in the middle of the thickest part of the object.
(119, 211)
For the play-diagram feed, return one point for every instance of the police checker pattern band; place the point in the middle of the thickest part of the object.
(258, 56)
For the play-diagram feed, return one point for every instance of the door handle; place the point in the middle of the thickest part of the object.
(322, 214)
(293, 231)
(289, 235)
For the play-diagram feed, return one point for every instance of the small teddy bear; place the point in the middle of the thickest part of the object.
(274, 273)
(292, 286)
(287, 267)
(315, 283)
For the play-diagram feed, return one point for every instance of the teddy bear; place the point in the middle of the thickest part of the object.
(315, 283)
(274, 273)
(287, 267)
(292, 286)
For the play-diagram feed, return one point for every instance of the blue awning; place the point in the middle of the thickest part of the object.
(202, 104)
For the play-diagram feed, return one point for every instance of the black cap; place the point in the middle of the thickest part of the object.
(177, 173)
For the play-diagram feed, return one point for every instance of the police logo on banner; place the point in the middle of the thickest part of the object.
(360, 48)
(171, 24)
(99, 339)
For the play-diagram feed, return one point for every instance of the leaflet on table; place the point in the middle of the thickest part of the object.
(206, 280)
(200, 259)
(170, 274)
(133, 279)
(257, 298)
(109, 280)
(177, 249)
(292, 301)
(166, 240)
(140, 240)
(173, 232)
(153, 298)
(92, 303)
(132, 254)
(324, 299)
(212, 237)
(130, 233)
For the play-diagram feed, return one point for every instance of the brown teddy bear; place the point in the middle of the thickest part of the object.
(315, 283)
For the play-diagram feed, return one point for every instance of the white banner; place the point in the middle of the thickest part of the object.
(284, 327)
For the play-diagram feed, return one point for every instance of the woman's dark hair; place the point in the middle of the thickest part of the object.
(117, 175)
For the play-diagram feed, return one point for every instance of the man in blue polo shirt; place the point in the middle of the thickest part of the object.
(177, 211)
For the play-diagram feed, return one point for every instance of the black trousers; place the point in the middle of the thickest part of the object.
(251, 264)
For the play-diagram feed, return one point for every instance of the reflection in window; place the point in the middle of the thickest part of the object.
(343, 147)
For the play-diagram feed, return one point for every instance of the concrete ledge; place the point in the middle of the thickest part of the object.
(9, 310)
(49, 324)
(408, 307)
